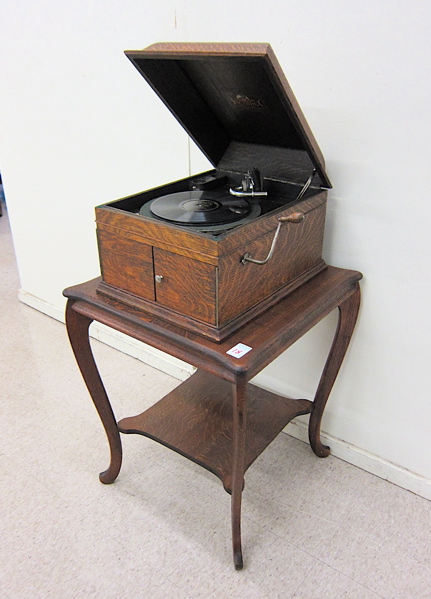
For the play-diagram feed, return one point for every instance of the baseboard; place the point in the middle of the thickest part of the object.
(147, 354)
(370, 463)
(180, 370)
(40, 305)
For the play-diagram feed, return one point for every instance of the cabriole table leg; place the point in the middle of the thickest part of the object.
(348, 313)
(239, 427)
(77, 329)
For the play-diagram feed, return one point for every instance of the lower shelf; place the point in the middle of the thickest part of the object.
(195, 420)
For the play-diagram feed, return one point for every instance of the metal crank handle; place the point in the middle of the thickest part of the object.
(295, 218)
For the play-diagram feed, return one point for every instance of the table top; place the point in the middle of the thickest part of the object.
(268, 335)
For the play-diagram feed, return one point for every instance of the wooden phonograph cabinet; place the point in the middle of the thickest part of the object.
(212, 251)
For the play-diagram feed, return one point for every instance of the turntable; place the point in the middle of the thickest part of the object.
(212, 251)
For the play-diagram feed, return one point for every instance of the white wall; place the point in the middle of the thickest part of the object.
(79, 127)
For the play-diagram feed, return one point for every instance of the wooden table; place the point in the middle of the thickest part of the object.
(217, 418)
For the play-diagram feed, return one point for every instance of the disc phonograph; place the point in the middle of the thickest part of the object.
(210, 252)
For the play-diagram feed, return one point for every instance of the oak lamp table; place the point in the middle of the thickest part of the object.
(217, 418)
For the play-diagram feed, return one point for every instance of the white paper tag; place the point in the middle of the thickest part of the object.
(239, 350)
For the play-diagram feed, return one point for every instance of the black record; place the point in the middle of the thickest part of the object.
(199, 207)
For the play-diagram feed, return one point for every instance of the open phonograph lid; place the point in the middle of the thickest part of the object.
(236, 104)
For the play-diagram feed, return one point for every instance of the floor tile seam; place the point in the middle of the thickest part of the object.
(185, 477)
(30, 474)
(415, 561)
(296, 509)
(294, 596)
(282, 538)
(299, 512)
(33, 469)
(71, 507)
(243, 573)
(266, 527)
(183, 589)
(352, 579)
(396, 517)
(386, 544)
(220, 490)
(162, 570)
(55, 428)
(74, 508)
(297, 546)
(313, 514)
(192, 552)
(300, 547)
(156, 571)
(187, 483)
(403, 557)
(312, 567)
(201, 492)
(216, 523)
(97, 425)
(172, 576)
(265, 499)
(366, 538)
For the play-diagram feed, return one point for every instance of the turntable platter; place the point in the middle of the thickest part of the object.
(199, 207)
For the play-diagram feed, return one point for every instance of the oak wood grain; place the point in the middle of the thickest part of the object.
(188, 286)
(184, 76)
(196, 420)
(217, 418)
(127, 263)
(298, 249)
(170, 236)
(269, 335)
(204, 278)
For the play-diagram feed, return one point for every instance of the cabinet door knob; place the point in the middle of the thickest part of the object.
(159, 278)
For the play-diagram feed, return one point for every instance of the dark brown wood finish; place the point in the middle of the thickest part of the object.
(77, 328)
(204, 403)
(238, 466)
(179, 75)
(116, 217)
(205, 286)
(235, 102)
(348, 311)
(186, 285)
(298, 250)
(217, 418)
(127, 263)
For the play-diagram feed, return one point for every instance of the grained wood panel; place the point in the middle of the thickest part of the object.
(153, 231)
(126, 264)
(183, 239)
(140, 236)
(196, 418)
(188, 286)
(298, 249)
(159, 63)
(244, 234)
(269, 335)
(222, 426)
(190, 49)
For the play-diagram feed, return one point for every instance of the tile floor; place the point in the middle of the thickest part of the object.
(312, 529)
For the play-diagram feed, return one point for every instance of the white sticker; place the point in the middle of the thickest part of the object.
(239, 350)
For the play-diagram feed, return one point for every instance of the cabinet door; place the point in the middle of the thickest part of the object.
(185, 285)
(126, 263)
